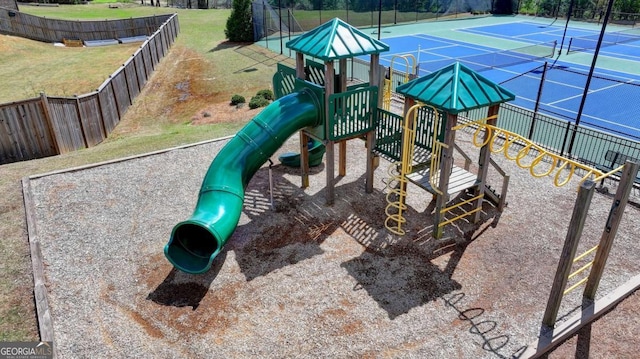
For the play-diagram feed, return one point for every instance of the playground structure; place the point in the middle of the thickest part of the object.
(315, 100)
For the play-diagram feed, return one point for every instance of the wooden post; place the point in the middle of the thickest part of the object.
(342, 145)
(371, 136)
(330, 168)
(371, 165)
(483, 163)
(47, 116)
(446, 165)
(343, 75)
(300, 66)
(304, 139)
(304, 158)
(374, 75)
(342, 158)
(580, 209)
(629, 173)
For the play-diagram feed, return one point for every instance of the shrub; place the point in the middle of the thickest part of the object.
(258, 101)
(266, 93)
(237, 99)
(239, 27)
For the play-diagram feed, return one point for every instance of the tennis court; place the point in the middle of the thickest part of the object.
(623, 44)
(611, 104)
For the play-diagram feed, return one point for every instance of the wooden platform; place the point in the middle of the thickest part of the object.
(460, 180)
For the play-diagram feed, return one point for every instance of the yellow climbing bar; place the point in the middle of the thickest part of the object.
(434, 169)
(580, 270)
(558, 163)
(585, 253)
(396, 196)
(451, 220)
(575, 285)
(386, 95)
(599, 178)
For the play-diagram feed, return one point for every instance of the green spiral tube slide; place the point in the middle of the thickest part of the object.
(195, 242)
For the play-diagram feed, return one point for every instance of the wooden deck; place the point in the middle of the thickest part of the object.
(459, 181)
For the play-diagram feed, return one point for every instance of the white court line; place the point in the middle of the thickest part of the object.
(593, 118)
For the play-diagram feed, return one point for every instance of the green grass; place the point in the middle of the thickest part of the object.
(201, 69)
(56, 71)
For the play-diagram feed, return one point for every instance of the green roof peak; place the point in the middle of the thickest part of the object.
(334, 40)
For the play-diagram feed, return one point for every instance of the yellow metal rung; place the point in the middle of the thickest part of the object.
(458, 217)
(481, 195)
(585, 254)
(580, 270)
(575, 285)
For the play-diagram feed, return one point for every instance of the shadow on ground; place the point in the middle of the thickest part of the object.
(180, 289)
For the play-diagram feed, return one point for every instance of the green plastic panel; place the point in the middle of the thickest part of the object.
(314, 72)
(284, 81)
(389, 132)
(352, 113)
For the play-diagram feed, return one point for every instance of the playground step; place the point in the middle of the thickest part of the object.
(460, 180)
(491, 194)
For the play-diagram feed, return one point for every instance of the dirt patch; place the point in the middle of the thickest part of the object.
(223, 113)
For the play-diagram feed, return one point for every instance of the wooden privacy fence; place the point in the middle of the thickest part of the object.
(47, 126)
(53, 30)
(9, 4)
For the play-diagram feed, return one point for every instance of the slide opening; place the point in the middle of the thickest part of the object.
(196, 240)
(192, 248)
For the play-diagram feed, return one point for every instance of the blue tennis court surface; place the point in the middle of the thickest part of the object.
(620, 44)
(613, 95)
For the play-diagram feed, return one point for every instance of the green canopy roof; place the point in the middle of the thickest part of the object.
(456, 88)
(334, 40)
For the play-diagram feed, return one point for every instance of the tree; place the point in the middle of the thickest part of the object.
(239, 27)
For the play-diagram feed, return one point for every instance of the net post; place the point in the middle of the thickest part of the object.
(569, 46)
(538, 97)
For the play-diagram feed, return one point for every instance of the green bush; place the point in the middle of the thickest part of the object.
(266, 93)
(239, 27)
(237, 99)
(258, 101)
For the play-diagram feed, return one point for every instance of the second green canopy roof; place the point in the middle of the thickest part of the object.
(456, 88)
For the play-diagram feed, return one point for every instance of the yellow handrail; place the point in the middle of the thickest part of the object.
(396, 196)
(558, 163)
(436, 155)
(386, 97)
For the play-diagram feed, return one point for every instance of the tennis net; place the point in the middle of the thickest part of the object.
(498, 59)
(611, 38)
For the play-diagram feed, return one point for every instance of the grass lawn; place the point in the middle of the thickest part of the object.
(201, 70)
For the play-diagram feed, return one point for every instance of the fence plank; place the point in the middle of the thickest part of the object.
(10, 149)
(66, 124)
(131, 80)
(109, 109)
(91, 119)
